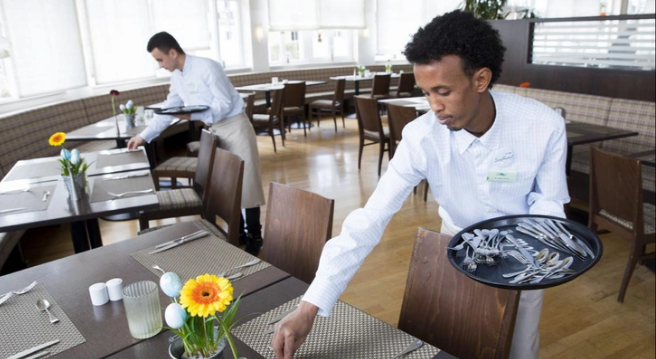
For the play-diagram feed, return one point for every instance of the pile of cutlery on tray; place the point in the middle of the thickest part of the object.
(488, 246)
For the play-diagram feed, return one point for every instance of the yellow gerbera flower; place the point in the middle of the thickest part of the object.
(57, 139)
(206, 295)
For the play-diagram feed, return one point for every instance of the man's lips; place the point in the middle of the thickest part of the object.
(443, 120)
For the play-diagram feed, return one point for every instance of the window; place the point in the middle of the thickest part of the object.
(43, 59)
(332, 45)
(230, 36)
(284, 47)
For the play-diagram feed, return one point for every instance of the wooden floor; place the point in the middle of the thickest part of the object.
(581, 319)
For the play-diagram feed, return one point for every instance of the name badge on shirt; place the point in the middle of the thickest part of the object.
(191, 87)
(501, 176)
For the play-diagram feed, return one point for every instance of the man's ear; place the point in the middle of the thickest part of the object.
(482, 78)
(173, 53)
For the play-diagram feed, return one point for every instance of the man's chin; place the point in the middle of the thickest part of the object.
(454, 129)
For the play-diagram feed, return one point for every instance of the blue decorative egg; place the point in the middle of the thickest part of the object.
(175, 316)
(170, 284)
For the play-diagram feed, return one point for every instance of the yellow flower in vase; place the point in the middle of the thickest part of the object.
(206, 295)
(57, 139)
(70, 160)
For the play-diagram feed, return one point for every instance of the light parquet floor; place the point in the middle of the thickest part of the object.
(581, 319)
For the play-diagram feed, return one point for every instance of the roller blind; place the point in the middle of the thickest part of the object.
(46, 47)
(119, 32)
(397, 21)
(186, 20)
(294, 15)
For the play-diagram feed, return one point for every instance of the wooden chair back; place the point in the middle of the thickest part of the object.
(406, 84)
(622, 175)
(338, 97)
(298, 224)
(225, 193)
(278, 99)
(208, 143)
(295, 94)
(397, 118)
(447, 309)
(366, 109)
(250, 105)
(381, 85)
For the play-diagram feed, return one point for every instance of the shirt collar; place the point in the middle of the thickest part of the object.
(490, 139)
(186, 68)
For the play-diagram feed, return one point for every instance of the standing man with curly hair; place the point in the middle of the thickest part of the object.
(201, 81)
(469, 133)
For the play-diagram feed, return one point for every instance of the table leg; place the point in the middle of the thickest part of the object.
(94, 233)
(267, 97)
(120, 143)
(357, 88)
(568, 163)
(79, 236)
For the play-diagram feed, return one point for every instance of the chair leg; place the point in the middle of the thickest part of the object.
(303, 124)
(335, 119)
(155, 179)
(380, 156)
(143, 223)
(174, 182)
(634, 256)
(425, 190)
(360, 152)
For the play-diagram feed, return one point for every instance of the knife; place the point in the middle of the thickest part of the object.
(523, 251)
(12, 210)
(125, 176)
(284, 314)
(200, 235)
(180, 239)
(27, 352)
(37, 355)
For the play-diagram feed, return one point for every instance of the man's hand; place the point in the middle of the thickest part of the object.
(293, 329)
(135, 142)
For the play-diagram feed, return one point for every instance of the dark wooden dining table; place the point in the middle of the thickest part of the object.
(357, 79)
(267, 88)
(105, 327)
(82, 214)
(647, 158)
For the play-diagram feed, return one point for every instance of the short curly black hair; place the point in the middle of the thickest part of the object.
(458, 33)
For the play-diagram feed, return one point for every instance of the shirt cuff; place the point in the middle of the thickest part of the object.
(323, 295)
(148, 134)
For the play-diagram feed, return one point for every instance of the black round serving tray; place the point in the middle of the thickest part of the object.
(492, 275)
(181, 110)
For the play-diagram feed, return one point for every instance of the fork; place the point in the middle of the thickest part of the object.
(46, 193)
(119, 195)
(6, 296)
(410, 348)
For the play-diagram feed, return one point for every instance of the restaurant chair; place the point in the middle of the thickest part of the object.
(192, 147)
(294, 94)
(451, 311)
(298, 224)
(406, 86)
(334, 106)
(224, 194)
(186, 201)
(397, 118)
(616, 204)
(273, 119)
(370, 128)
(561, 111)
(380, 86)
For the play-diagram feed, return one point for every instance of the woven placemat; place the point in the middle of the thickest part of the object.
(119, 159)
(210, 254)
(32, 200)
(100, 187)
(35, 170)
(24, 327)
(93, 130)
(346, 333)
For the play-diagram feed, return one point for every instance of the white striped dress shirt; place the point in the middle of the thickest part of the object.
(527, 140)
(202, 81)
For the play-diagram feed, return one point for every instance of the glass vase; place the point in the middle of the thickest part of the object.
(177, 351)
(76, 184)
(129, 121)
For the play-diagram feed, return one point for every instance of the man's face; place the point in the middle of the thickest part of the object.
(453, 95)
(166, 60)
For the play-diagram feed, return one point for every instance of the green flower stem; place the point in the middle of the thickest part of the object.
(228, 336)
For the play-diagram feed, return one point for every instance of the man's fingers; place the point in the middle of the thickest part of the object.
(289, 347)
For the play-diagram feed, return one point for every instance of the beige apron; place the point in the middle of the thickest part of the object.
(236, 135)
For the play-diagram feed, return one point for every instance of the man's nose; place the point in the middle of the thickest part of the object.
(435, 105)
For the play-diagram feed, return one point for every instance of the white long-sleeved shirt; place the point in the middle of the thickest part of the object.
(527, 141)
(201, 82)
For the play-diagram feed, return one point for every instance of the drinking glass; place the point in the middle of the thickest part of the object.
(141, 301)
(274, 81)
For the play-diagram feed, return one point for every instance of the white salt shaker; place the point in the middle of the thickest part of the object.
(98, 292)
(115, 289)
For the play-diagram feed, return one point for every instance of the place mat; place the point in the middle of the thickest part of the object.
(209, 254)
(31, 200)
(35, 170)
(93, 130)
(346, 333)
(120, 159)
(25, 327)
(100, 187)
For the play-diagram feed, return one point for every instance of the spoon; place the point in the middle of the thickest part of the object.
(159, 268)
(247, 264)
(43, 304)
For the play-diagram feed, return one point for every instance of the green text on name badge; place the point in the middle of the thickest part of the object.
(501, 176)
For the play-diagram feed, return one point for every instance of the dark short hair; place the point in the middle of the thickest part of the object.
(459, 33)
(164, 42)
